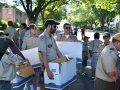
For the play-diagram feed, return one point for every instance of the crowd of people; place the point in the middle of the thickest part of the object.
(104, 55)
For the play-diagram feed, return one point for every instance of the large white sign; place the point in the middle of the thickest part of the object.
(32, 55)
(72, 49)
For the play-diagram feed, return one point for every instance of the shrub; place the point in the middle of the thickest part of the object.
(16, 24)
(3, 25)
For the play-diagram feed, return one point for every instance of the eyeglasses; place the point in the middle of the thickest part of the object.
(68, 28)
(55, 26)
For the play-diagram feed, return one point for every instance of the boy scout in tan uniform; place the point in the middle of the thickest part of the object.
(31, 41)
(106, 38)
(93, 50)
(85, 52)
(47, 46)
(67, 36)
(8, 62)
(106, 72)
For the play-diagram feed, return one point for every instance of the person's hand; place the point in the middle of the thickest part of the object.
(26, 60)
(50, 75)
(11, 42)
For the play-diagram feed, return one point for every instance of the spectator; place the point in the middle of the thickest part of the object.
(93, 50)
(82, 32)
(85, 52)
(106, 74)
(66, 36)
(22, 32)
(12, 32)
(75, 31)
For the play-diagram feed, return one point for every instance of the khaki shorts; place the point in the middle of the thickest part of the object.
(94, 60)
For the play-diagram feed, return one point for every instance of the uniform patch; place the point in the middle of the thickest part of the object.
(49, 45)
(111, 52)
(11, 55)
(41, 37)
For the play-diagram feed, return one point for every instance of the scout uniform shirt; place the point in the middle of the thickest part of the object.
(30, 42)
(101, 47)
(47, 44)
(107, 63)
(12, 33)
(94, 45)
(8, 66)
(62, 37)
(22, 33)
(85, 48)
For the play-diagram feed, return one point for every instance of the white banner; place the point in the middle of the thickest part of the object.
(72, 49)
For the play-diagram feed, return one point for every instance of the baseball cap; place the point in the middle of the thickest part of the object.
(4, 43)
(117, 36)
(32, 26)
(106, 34)
(51, 22)
(85, 37)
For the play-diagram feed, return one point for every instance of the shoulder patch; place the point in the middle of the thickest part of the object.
(41, 37)
(11, 55)
(111, 52)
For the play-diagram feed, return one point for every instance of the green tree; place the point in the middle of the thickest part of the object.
(34, 7)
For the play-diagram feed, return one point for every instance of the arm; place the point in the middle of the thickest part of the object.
(12, 44)
(59, 54)
(90, 51)
(45, 63)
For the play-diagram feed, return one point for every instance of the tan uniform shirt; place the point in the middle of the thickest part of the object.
(101, 47)
(30, 42)
(22, 33)
(62, 37)
(85, 48)
(48, 45)
(94, 45)
(8, 66)
(12, 33)
(107, 63)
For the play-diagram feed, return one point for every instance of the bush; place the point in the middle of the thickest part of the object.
(16, 24)
(3, 25)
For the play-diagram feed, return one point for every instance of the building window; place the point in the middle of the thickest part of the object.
(0, 8)
(20, 14)
(16, 12)
(16, 20)
(9, 19)
(9, 11)
(20, 22)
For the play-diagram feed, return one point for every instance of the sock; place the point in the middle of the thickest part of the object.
(38, 88)
(31, 87)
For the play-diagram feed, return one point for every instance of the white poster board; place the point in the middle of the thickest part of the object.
(72, 49)
(33, 57)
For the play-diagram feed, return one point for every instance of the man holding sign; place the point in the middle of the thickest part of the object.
(47, 46)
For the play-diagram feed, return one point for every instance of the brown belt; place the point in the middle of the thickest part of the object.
(3, 81)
